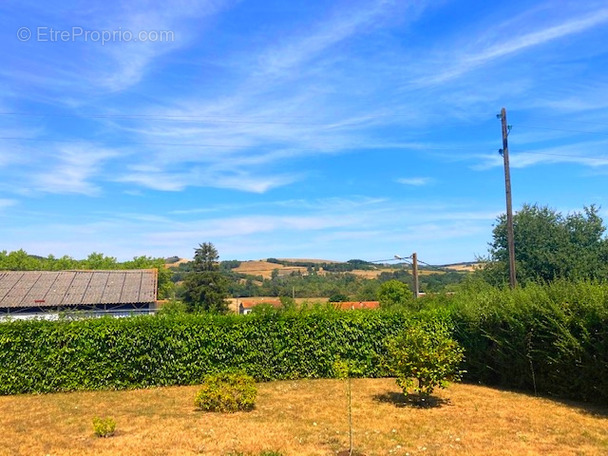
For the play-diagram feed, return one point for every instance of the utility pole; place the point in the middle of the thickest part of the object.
(510, 237)
(415, 273)
(414, 258)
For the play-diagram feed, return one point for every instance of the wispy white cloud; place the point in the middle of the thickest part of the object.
(462, 62)
(415, 181)
(585, 153)
(166, 180)
(107, 65)
(71, 170)
(344, 24)
(124, 64)
(6, 202)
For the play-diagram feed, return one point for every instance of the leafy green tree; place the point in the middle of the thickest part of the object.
(424, 357)
(338, 297)
(394, 293)
(19, 260)
(549, 246)
(99, 261)
(274, 275)
(206, 288)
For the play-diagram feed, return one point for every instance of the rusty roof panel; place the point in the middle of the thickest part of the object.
(69, 288)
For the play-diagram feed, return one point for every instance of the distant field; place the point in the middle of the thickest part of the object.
(307, 260)
(264, 268)
(463, 267)
(304, 417)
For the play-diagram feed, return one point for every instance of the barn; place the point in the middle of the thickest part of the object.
(49, 294)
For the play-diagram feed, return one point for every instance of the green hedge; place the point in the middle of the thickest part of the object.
(552, 339)
(41, 356)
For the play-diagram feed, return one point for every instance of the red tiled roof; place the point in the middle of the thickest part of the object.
(252, 304)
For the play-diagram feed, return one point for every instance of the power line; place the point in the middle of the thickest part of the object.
(603, 133)
(297, 120)
(431, 266)
(230, 146)
(532, 152)
(16, 138)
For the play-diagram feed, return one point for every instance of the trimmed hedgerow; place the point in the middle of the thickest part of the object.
(551, 339)
(42, 356)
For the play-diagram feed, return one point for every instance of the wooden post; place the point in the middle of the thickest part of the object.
(415, 273)
(510, 235)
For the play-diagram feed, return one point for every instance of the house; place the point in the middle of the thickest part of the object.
(47, 294)
(245, 307)
(351, 305)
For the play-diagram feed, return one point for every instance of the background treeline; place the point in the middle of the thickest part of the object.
(347, 266)
(312, 284)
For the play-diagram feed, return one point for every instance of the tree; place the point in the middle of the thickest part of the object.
(206, 258)
(206, 288)
(549, 246)
(338, 296)
(99, 261)
(424, 357)
(394, 293)
(18, 260)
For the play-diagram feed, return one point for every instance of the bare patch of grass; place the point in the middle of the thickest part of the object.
(305, 417)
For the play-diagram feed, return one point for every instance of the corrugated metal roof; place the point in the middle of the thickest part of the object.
(71, 288)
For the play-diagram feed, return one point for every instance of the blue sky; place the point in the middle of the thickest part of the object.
(336, 130)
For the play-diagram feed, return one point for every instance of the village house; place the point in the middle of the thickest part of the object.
(246, 307)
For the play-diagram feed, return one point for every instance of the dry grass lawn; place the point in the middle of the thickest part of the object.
(306, 417)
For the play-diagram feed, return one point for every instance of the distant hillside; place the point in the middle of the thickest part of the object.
(287, 266)
(467, 266)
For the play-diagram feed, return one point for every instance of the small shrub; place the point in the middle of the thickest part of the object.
(226, 392)
(424, 357)
(104, 427)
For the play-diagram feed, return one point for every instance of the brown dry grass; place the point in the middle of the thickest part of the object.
(264, 269)
(306, 417)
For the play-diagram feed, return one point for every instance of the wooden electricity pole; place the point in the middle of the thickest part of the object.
(510, 236)
(415, 273)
